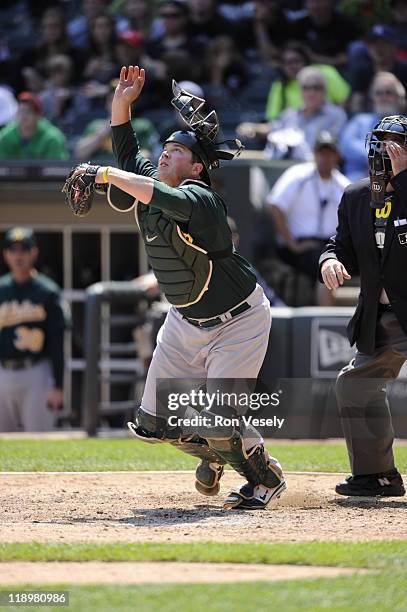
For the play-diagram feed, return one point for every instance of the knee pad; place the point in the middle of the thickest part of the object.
(198, 447)
(222, 423)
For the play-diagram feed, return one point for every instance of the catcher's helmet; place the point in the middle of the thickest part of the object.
(200, 137)
(379, 160)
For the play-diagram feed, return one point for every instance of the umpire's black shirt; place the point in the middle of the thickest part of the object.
(355, 246)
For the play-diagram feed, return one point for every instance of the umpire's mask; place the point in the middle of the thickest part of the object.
(379, 161)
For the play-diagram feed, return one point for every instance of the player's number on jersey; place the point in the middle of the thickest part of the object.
(29, 339)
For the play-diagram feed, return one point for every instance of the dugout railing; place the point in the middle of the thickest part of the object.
(109, 362)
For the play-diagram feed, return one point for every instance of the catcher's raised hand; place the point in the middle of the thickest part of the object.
(334, 273)
(130, 85)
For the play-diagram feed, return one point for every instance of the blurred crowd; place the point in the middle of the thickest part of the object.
(276, 71)
(300, 80)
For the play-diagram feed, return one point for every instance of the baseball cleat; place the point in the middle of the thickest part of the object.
(386, 484)
(257, 496)
(208, 475)
(253, 497)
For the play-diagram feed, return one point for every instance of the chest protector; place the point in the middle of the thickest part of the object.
(183, 269)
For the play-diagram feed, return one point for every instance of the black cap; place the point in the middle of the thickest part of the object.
(325, 140)
(19, 235)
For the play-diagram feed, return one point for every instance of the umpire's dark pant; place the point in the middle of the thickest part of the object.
(362, 399)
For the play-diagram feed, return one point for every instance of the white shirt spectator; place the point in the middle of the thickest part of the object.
(309, 203)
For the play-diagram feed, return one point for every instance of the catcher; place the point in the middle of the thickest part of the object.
(217, 329)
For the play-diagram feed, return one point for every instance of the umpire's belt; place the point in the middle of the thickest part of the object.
(221, 318)
(18, 364)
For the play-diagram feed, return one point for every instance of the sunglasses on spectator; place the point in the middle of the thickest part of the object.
(315, 86)
(384, 92)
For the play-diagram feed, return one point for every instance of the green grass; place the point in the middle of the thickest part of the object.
(374, 555)
(111, 455)
(384, 589)
(383, 592)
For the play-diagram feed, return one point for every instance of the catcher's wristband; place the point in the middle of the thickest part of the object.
(104, 174)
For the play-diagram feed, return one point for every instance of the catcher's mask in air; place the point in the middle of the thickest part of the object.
(379, 161)
(201, 131)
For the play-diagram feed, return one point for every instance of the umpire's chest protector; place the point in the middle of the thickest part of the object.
(183, 270)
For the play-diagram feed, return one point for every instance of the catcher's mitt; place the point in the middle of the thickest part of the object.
(80, 189)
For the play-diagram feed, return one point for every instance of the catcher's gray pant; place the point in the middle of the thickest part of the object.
(234, 349)
(362, 399)
(23, 398)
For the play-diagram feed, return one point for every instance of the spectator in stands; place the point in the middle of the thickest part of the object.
(180, 65)
(31, 136)
(381, 45)
(366, 12)
(10, 67)
(102, 62)
(53, 40)
(8, 105)
(174, 122)
(285, 89)
(226, 73)
(62, 101)
(399, 24)
(262, 35)
(206, 22)
(293, 134)
(137, 15)
(303, 204)
(96, 142)
(235, 10)
(131, 51)
(31, 339)
(388, 97)
(174, 15)
(16, 24)
(79, 27)
(326, 32)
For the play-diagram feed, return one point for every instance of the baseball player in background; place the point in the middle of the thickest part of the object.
(219, 323)
(31, 339)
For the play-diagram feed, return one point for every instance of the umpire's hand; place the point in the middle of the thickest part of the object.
(334, 273)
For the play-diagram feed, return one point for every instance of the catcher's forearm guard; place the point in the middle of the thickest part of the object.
(79, 189)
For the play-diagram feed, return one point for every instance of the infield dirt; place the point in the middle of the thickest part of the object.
(164, 506)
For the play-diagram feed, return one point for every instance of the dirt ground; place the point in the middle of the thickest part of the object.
(164, 506)
(158, 573)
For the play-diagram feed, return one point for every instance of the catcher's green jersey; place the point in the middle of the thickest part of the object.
(201, 216)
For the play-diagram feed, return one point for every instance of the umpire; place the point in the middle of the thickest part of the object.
(31, 339)
(371, 241)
